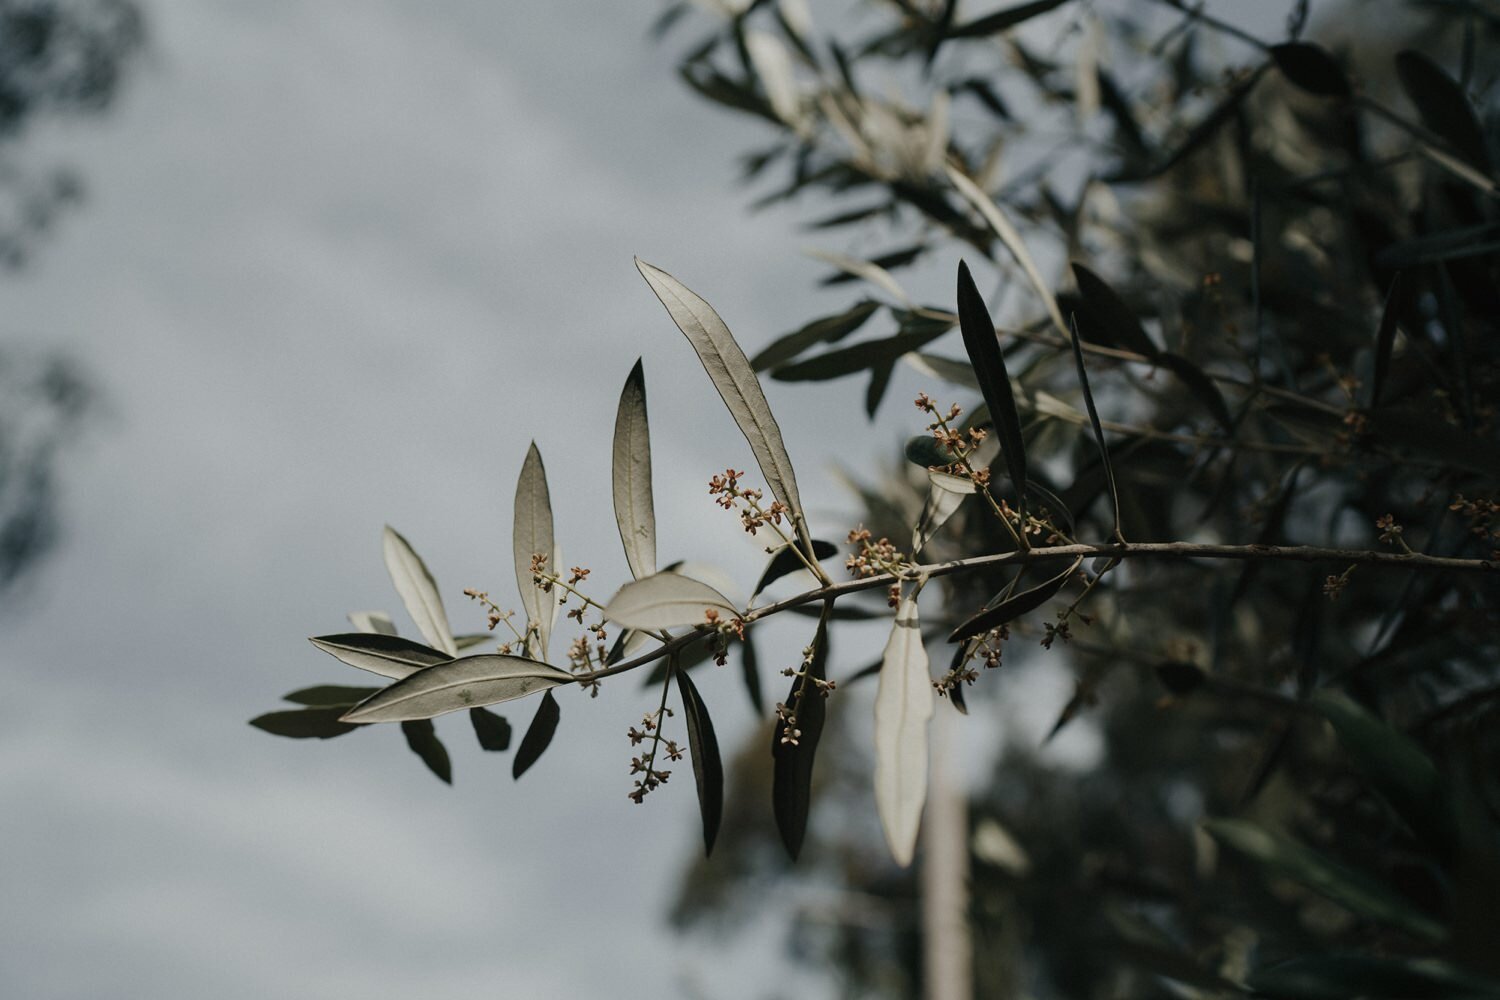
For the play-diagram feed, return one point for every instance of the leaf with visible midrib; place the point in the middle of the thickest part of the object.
(468, 682)
(387, 655)
(635, 514)
(418, 591)
(538, 736)
(792, 763)
(732, 375)
(989, 364)
(532, 536)
(665, 600)
(708, 769)
(903, 705)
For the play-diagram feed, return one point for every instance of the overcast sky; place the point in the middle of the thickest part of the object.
(339, 263)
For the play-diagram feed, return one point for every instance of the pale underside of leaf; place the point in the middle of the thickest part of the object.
(532, 536)
(418, 591)
(943, 499)
(372, 621)
(386, 655)
(865, 270)
(469, 682)
(735, 380)
(903, 706)
(666, 600)
(634, 509)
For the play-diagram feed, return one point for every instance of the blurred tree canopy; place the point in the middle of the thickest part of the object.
(1282, 255)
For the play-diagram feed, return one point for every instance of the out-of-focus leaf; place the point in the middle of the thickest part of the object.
(708, 770)
(903, 706)
(1335, 976)
(1421, 434)
(472, 639)
(985, 94)
(468, 682)
(792, 767)
(750, 671)
(720, 89)
(924, 450)
(531, 536)
(538, 736)
(665, 600)
(492, 731)
(1199, 135)
(1011, 237)
(418, 591)
(874, 271)
(1354, 890)
(1385, 340)
(786, 561)
(855, 357)
(1444, 108)
(732, 375)
(952, 371)
(1088, 400)
(773, 67)
(1180, 678)
(989, 364)
(1463, 242)
(1310, 67)
(1200, 385)
(828, 330)
(1003, 20)
(880, 381)
(372, 621)
(421, 736)
(1014, 606)
(329, 695)
(635, 514)
(387, 655)
(1106, 319)
(944, 497)
(320, 723)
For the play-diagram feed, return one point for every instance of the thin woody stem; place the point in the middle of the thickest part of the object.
(1116, 550)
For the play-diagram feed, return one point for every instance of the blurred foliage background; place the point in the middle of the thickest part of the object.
(1281, 254)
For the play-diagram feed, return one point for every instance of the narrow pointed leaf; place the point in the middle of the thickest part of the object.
(418, 591)
(792, 763)
(386, 655)
(421, 736)
(708, 769)
(871, 271)
(1014, 607)
(1310, 68)
(1107, 319)
(903, 706)
(867, 355)
(635, 514)
(1444, 107)
(944, 497)
(786, 561)
(329, 695)
(880, 381)
(492, 731)
(320, 723)
(372, 621)
(538, 736)
(1356, 891)
(1199, 135)
(665, 600)
(735, 380)
(750, 671)
(1385, 340)
(468, 682)
(1003, 20)
(1011, 237)
(473, 639)
(1200, 385)
(989, 364)
(1088, 401)
(532, 536)
(828, 330)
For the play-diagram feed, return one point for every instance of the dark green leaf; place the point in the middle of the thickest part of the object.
(889, 261)
(866, 354)
(1181, 679)
(750, 671)
(880, 381)
(492, 731)
(1333, 976)
(538, 735)
(708, 770)
(1003, 20)
(791, 791)
(1200, 385)
(828, 330)
(924, 450)
(1199, 135)
(307, 723)
(989, 364)
(329, 695)
(421, 736)
(1385, 340)
(787, 561)
(1444, 108)
(1464, 242)
(850, 217)
(1106, 319)
(1088, 399)
(1014, 606)
(1310, 68)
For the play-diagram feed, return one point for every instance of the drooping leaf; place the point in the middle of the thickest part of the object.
(828, 330)
(418, 591)
(1443, 106)
(372, 621)
(786, 561)
(1200, 385)
(708, 770)
(538, 736)
(735, 380)
(994, 381)
(421, 736)
(1088, 400)
(880, 381)
(944, 496)
(387, 655)
(903, 706)
(1011, 237)
(1311, 68)
(329, 695)
(793, 754)
(750, 671)
(1385, 340)
(1354, 890)
(635, 513)
(665, 600)
(492, 731)
(1106, 318)
(468, 682)
(1014, 606)
(532, 536)
(320, 723)
(1003, 20)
